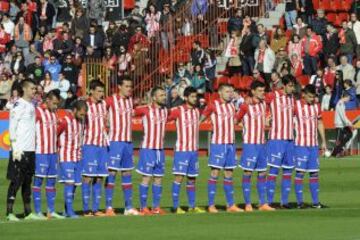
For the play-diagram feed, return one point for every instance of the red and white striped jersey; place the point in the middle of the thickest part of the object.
(70, 132)
(187, 127)
(46, 136)
(95, 124)
(154, 121)
(253, 116)
(222, 118)
(306, 123)
(120, 112)
(282, 113)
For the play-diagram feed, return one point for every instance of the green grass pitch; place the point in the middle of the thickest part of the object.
(340, 190)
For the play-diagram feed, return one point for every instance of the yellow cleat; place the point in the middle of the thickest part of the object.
(196, 210)
(180, 211)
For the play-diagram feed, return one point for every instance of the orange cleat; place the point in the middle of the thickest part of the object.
(158, 211)
(99, 214)
(145, 212)
(248, 208)
(212, 209)
(234, 209)
(266, 207)
(110, 212)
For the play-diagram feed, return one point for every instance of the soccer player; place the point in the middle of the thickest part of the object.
(46, 154)
(253, 116)
(70, 131)
(279, 148)
(222, 148)
(151, 163)
(186, 161)
(94, 151)
(307, 123)
(120, 110)
(22, 155)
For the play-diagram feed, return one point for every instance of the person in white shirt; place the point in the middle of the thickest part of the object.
(9, 26)
(325, 101)
(21, 166)
(355, 26)
(64, 86)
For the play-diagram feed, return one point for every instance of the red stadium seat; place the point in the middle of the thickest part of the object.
(316, 4)
(303, 80)
(346, 5)
(214, 96)
(246, 82)
(336, 5)
(222, 28)
(235, 81)
(220, 80)
(288, 34)
(331, 17)
(325, 5)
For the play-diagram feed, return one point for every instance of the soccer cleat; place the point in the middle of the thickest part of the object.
(88, 214)
(266, 207)
(301, 206)
(248, 208)
(12, 218)
(285, 206)
(33, 216)
(179, 211)
(110, 212)
(196, 210)
(212, 209)
(55, 215)
(234, 209)
(158, 211)
(99, 214)
(131, 212)
(145, 212)
(318, 206)
(72, 215)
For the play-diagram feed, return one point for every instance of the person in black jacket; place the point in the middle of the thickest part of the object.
(247, 52)
(46, 13)
(319, 23)
(71, 72)
(36, 69)
(120, 38)
(307, 11)
(94, 40)
(330, 42)
(235, 23)
(63, 46)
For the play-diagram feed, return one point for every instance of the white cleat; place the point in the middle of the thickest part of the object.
(131, 212)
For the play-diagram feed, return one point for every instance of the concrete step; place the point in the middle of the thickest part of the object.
(269, 22)
(275, 14)
(280, 7)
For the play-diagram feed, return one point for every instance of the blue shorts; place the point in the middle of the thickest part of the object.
(253, 157)
(46, 165)
(95, 161)
(70, 172)
(222, 156)
(151, 162)
(121, 156)
(306, 159)
(280, 154)
(186, 164)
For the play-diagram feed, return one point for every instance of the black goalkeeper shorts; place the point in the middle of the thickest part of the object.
(20, 170)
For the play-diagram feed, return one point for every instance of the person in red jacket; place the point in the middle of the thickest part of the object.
(311, 46)
(4, 39)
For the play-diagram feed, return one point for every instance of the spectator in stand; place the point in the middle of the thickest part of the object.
(331, 42)
(53, 67)
(187, 27)
(347, 68)
(4, 39)
(5, 89)
(210, 68)
(278, 40)
(338, 89)
(325, 102)
(166, 34)
(275, 83)
(70, 72)
(297, 65)
(168, 86)
(198, 80)
(311, 47)
(357, 80)
(96, 10)
(46, 13)
(237, 99)
(64, 11)
(175, 99)
(307, 10)
(64, 86)
(36, 69)
(80, 24)
(294, 46)
(124, 61)
(22, 35)
(348, 43)
(247, 51)
(8, 25)
(329, 72)
(121, 37)
(152, 19)
(235, 23)
(257, 76)
(350, 90)
(199, 8)
(29, 16)
(319, 23)
(291, 7)
(39, 94)
(260, 35)
(181, 73)
(355, 26)
(300, 27)
(95, 40)
(318, 81)
(138, 38)
(264, 61)
(197, 54)
(110, 32)
(30, 57)
(70, 99)
(232, 53)
(183, 84)
(78, 51)
(18, 64)
(48, 84)
(63, 46)
(282, 59)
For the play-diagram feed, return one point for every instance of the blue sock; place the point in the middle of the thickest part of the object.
(143, 194)
(37, 194)
(212, 190)
(271, 184)
(69, 197)
(314, 187)
(175, 194)
(127, 189)
(109, 190)
(190, 189)
(96, 195)
(246, 187)
(157, 191)
(261, 189)
(50, 194)
(286, 186)
(85, 190)
(299, 185)
(229, 191)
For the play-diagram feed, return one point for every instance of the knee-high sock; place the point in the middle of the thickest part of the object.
(314, 187)
(261, 188)
(271, 184)
(212, 190)
(11, 195)
(85, 191)
(36, 189)
(246, 187)
(96, 195)
(143, 194)
(175, 194)
(299, 185)
(26, 194)
(229, 191)
(126, 183)
(109, 190)
(69, 197)
(50, 194)
(190, 189)
(285, 185)
(157, 191)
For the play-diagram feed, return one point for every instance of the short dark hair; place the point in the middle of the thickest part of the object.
(197, 42)
(79, 104)
(257, 84)
(188, 91)
(309, 27)
(53, 93)
(310, 89)
(224, 85)
(124, 78)
(96, 83)
(348, 82)
(288, 79)
(155, 89)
